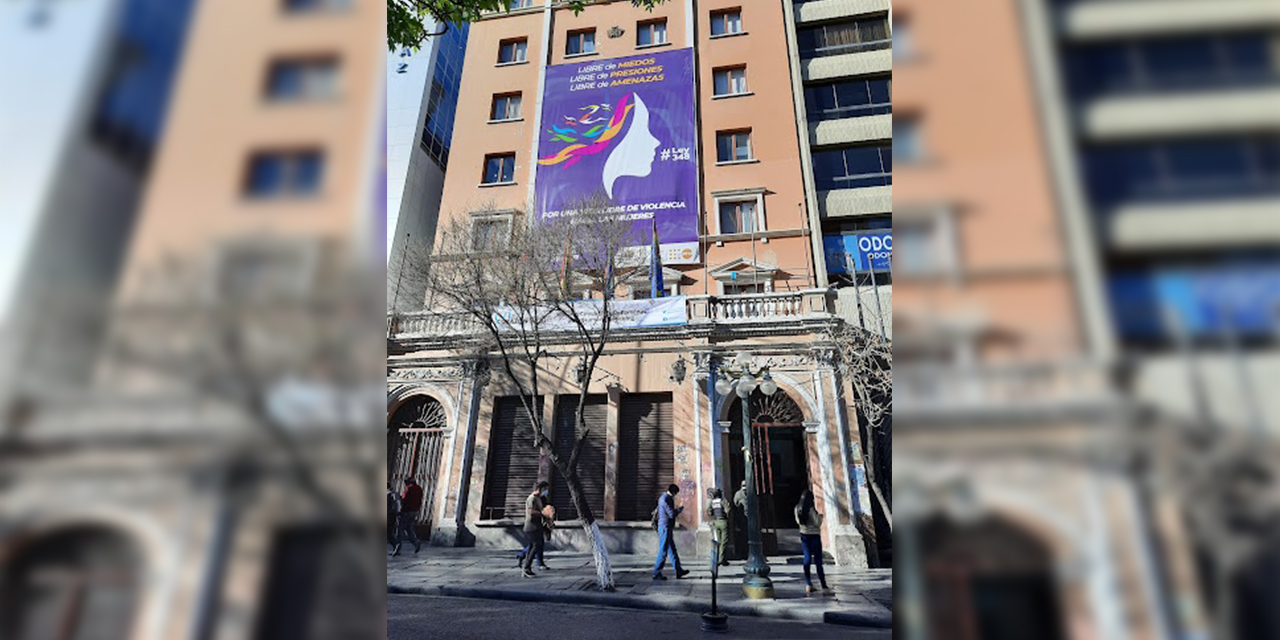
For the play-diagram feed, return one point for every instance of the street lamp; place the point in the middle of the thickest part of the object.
(741, 380)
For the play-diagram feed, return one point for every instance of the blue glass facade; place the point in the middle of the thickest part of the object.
(442, 102)
(145, 53)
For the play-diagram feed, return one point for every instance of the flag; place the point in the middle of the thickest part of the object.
(656, 287)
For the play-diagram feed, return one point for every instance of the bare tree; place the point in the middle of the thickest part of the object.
(866, 361)
(522, 290)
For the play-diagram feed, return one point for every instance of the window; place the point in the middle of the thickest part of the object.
(302, 79)
(903, 46)
(1197, 168)
(519, 4)
(915, 249)
(490, 233)
(505, 107)
(729, 81)
(510, 51)
(907, 146)
(499, 168)
(580, 42)
(284, 173)
(853, 167)
(848, 98)
(726, 22)
(743, 289)
(845, 36)
(738, 216)
(651, 33)
(301, 6)
(1168, 64)
(733, 146)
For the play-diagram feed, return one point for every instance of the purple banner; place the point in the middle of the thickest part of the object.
(623, 129)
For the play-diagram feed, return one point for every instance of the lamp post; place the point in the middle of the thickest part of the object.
(755, 582)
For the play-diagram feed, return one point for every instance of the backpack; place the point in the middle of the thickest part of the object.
(653, 518)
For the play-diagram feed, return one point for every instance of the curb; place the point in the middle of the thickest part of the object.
(878, 618)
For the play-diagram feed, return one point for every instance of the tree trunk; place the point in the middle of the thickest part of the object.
(600, 555)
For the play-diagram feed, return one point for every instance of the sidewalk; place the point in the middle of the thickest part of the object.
(862, 597)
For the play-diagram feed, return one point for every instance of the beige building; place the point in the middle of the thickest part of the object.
(754, 285)
(194, 489)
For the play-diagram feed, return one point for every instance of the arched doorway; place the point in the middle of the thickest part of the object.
(79, 583)
(780, 459)
(415, 447)
(988, 581)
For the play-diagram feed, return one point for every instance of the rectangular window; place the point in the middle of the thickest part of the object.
(646, 453)
(915, 250)
(505, 107)
(580, 42)
(499, 168)
(284, 173)
(738, 217)
(726, 22)
(302, 79)
(651, 32)
(300, 6)
(729, 81)
(733, 146)
(1174, 64)
(520, 4)
(849, 98)
(845, 36)
(489, 234)
(853, 167)
(743, 289)
(513, 50)
(907, 145)
(903, 47)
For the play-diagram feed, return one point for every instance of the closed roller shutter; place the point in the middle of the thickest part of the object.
(590, 461)
(513, 461)
(646, 457)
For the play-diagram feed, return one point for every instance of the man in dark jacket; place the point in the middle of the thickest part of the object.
(718, 511)
(533, 526)
(410, 505)
(667, 512)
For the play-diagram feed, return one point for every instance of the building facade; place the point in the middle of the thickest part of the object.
(422, 101)
(741, 260)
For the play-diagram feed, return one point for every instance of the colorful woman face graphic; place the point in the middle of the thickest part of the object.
(589, 134)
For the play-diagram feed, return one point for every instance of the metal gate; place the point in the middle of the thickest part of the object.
(415, 447)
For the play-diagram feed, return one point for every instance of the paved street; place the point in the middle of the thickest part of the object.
(414, 617)
(862, 598)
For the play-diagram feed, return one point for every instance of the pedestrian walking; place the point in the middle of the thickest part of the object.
(393, 515)
(667, 512)
(810, 522)
(410, 505)
(534, 528)
(718, 511)
(548, 523)
(740, 522)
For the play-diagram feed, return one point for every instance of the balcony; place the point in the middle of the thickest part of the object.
(851, 130)
(799, 311)
(952, 393)
(1092, 19)
(818, 10)
(865, 201)
(847, 65)
(1231, 111)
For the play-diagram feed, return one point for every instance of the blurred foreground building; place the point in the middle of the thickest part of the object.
(1085, 293)
(752, 139)
(207, 474)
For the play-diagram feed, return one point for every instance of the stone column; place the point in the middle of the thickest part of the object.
(611, 454)
(455, 532)
(840, 499)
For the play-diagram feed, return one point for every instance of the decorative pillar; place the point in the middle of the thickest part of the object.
(847, 544)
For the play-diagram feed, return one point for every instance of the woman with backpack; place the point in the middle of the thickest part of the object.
(810, 522)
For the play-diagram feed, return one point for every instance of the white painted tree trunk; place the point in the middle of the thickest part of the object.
(604, 572)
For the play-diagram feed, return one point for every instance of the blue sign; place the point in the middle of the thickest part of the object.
(1212, 301)
(869, 251)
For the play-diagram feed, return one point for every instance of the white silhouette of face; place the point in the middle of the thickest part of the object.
(634, 155)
